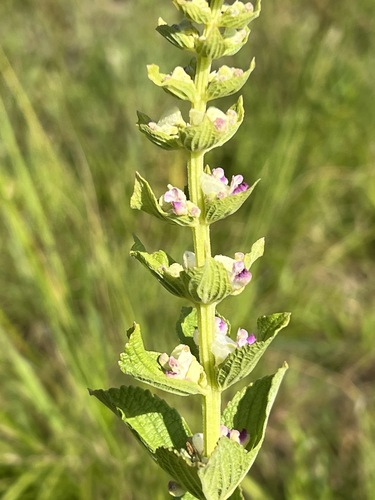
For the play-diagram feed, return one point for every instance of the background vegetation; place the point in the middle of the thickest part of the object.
(72, 75)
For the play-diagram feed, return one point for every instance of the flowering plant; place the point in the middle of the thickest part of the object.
(210, 464)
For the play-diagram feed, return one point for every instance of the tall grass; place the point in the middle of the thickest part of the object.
(72, 76)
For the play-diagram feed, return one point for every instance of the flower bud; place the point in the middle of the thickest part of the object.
(175, 490)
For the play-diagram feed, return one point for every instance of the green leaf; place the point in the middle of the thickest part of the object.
(144, 366)
(179, 83)
(158, 427)
(227, 81)
(166, 132)
(182, 36)
(210, 283)
(186, 327)
(237, 494)
(188, 496)
(149, 418)
(196, 10)
(213, 128)
(257, 251)
(243, 360)
(144, 199)
(237, 15)
(225, 470)
(250, 409)
(219, 44)
(218, 209)
(181, 469)
(160, 264)
(207, 284)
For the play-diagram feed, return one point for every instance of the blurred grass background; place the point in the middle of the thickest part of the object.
(72, 75)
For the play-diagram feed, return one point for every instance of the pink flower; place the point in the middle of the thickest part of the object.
(216, 184)
(175, 200)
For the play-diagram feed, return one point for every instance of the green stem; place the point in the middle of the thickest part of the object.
(202, 247)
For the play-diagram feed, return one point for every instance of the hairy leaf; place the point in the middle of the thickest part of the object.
(150, 418)
(250, 409)
(144, 199)
(243, 360)
(257, 251)
(227, 81)
(183, 35)
(209, 283)
(178, 83)
(181, 469)
(143, 365)
(197, 11)
(209, 133)
(186, 327)
(218, 209)
(238, 15)
(225, 470)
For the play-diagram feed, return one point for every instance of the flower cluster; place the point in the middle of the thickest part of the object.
(239, 276)
(223, 345)
(195, 447)
(181, 364)
(216, 185)
(240, 437)
(194, 452)
(175, 201)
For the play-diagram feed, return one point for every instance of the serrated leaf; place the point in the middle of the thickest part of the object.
(237, 494)
(179, 83)
(144, 199)
(250, 409)
(218, 209)
(219, 44)
(210, 283)
(207, 284)
(243, 360)
(206, 135)
(182, 36)
(224, 471)
(158, 264)
(150, 418)
(227, 81)
(230, 462)
(165, 139)
(237, 15)
(186, 327)
(183, 472)
(144, 366)
(196, 10)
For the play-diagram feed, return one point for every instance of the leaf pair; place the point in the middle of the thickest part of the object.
(144, 366)
(205, 131)
(164, 433)
(207, 284)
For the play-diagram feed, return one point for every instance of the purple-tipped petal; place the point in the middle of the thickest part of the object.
(251, 339)
(242, 336)
(221, 326)
(244, 437)
(219, 174)
(179, 207)
(242, 187)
